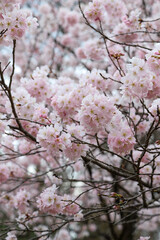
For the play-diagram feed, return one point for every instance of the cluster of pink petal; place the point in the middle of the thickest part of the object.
(41, 114)
(153, 59)
(76, 149)
(139, 81)
(4, 172)
(96, 111)
(81, 91)
(63, 85)
(8, 5)
(24, 103)
(121, 139)
(25, 146)
(67, 17)
(92, 49)
(64, 105)
(68, 98)
(47, 23)
(146, 171)
(38, 85)
(145, 159)
(63, 234)
(50, 202)
(53, 139)
(65, 113)
(63, 101)
(133, 19)
(149, 225)
(27, 108)
(99, 79)
(78, 216)
(155, 107)
(16, 171)
(94, 10)
(7, 144)
(115, 9)
(21, 200)
(11, 236)
(129, 25)
(156, 177)
(10, 170)
(16, 21)
(142, 126)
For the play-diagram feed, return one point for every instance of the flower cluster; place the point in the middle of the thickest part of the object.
(153, 59)
(38, 85)
(139, 81)
(98, 79)
(11, 236)
(92, 49)
(21, 200)
(94, 10)
(79, 108)
(4, 173)
(16, 22)
(76, 148)
(64, 105)
(120, 139)
(96, 111)
(63, 234)
(53, 138)
(50, 202)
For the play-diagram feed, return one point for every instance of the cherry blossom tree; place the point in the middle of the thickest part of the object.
(79, 119)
